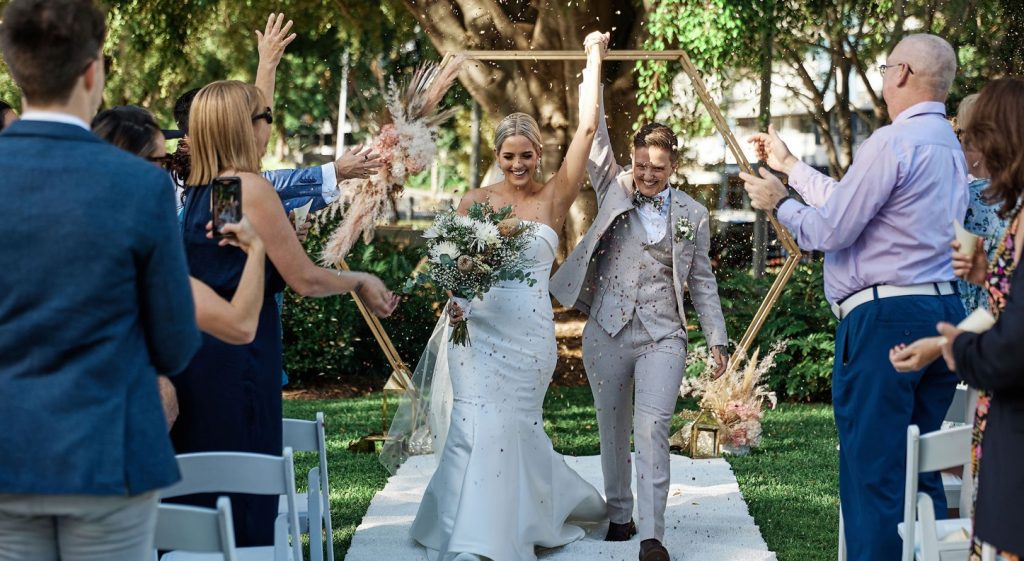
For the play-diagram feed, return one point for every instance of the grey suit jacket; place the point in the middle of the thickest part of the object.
(574, 283)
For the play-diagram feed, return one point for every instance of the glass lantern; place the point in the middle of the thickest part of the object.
(704, 436)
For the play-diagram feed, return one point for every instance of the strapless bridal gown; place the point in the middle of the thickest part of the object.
(500, 489)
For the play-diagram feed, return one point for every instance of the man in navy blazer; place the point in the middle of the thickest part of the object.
(94, 304)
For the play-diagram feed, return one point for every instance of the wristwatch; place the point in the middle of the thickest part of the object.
(778, 205)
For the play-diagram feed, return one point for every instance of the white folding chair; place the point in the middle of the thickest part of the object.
(196, 529)
(960, 413)
(924, 537)
(315, 504)
(254, 474)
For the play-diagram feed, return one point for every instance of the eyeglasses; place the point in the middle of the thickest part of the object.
(883, 67)
(265, 115)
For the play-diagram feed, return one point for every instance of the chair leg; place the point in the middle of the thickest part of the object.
(325, 508)
(842, 535)
(316, 542)
(282, 547)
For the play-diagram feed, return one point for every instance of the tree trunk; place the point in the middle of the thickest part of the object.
(545, 90)
(844, 115)
(764, 118)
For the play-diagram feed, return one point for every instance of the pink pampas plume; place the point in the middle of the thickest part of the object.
(406, 145)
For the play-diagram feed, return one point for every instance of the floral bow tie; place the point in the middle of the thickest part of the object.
(640, 199)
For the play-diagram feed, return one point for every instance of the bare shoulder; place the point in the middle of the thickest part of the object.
(255, 182)
(475, 196)
(258, 189)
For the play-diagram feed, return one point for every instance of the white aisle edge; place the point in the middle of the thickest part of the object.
(706, 518)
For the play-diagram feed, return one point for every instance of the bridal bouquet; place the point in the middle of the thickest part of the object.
(470, 254)
(737, 398)
(406, 146)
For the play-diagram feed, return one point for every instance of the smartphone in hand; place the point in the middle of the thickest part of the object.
(226, 203)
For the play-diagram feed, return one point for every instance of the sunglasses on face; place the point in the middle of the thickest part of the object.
(265, 115)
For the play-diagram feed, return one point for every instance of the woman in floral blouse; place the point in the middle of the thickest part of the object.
(991, 361)
(982, 217)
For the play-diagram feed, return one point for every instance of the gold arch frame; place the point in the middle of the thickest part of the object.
(721, 125)
(400, 381)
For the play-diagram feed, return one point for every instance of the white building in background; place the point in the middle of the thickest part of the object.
(791, 118)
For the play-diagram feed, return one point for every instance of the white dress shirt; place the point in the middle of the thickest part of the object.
(54, 117)
(655, 220)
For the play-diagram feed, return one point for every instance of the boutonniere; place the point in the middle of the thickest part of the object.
(684, 230)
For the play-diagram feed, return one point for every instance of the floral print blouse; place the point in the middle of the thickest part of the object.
(983, 220)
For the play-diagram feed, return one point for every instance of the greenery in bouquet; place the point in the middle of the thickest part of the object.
(738, 397)
(468, 255)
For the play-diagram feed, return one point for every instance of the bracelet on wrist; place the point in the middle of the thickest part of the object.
(778, 205)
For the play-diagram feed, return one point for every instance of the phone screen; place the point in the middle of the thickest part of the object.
(226, 202)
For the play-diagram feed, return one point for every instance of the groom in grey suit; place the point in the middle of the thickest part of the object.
(628, 273)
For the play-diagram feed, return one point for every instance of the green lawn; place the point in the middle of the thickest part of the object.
(790, 484)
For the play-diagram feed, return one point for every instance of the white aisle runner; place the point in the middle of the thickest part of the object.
(706, 519)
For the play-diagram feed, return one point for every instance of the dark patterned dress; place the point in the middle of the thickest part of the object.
(997, 285)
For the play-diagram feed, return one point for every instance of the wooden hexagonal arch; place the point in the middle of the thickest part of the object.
(723, 128)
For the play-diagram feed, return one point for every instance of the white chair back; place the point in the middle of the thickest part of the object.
(931, 452)
(310, 436)
(195, 529)
(960, 409)
(241, 472)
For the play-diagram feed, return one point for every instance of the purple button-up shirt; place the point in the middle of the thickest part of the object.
(890, 219)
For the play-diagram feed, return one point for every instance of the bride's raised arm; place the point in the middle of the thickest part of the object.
(569, 179)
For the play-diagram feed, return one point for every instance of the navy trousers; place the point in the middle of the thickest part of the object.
(874, 405)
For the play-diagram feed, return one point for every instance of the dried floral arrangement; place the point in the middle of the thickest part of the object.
(738, 397)
(406, 145)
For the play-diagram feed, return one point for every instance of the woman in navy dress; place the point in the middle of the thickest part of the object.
(230, 395)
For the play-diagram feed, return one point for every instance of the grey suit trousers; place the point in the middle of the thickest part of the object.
(631, 367)
(77, 527)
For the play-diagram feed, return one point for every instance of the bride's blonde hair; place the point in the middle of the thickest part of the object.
(517, 124)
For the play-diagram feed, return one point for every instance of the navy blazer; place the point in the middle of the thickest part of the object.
(94, 302)
(993, 361)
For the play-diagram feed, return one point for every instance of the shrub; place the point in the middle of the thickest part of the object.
(327, 340)
(803, 371)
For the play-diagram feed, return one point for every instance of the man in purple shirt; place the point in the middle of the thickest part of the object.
(885, 229)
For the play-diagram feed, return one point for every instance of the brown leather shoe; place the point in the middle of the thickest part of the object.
(652, 550)
(620, 532)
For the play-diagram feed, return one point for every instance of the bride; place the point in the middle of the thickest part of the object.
(500, 490)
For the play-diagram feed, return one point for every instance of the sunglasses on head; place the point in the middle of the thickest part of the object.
(265, 115)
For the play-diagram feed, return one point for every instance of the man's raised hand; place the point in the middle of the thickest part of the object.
(772, 150)
(357, 163)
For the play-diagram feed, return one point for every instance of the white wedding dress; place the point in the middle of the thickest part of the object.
(500, 489)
